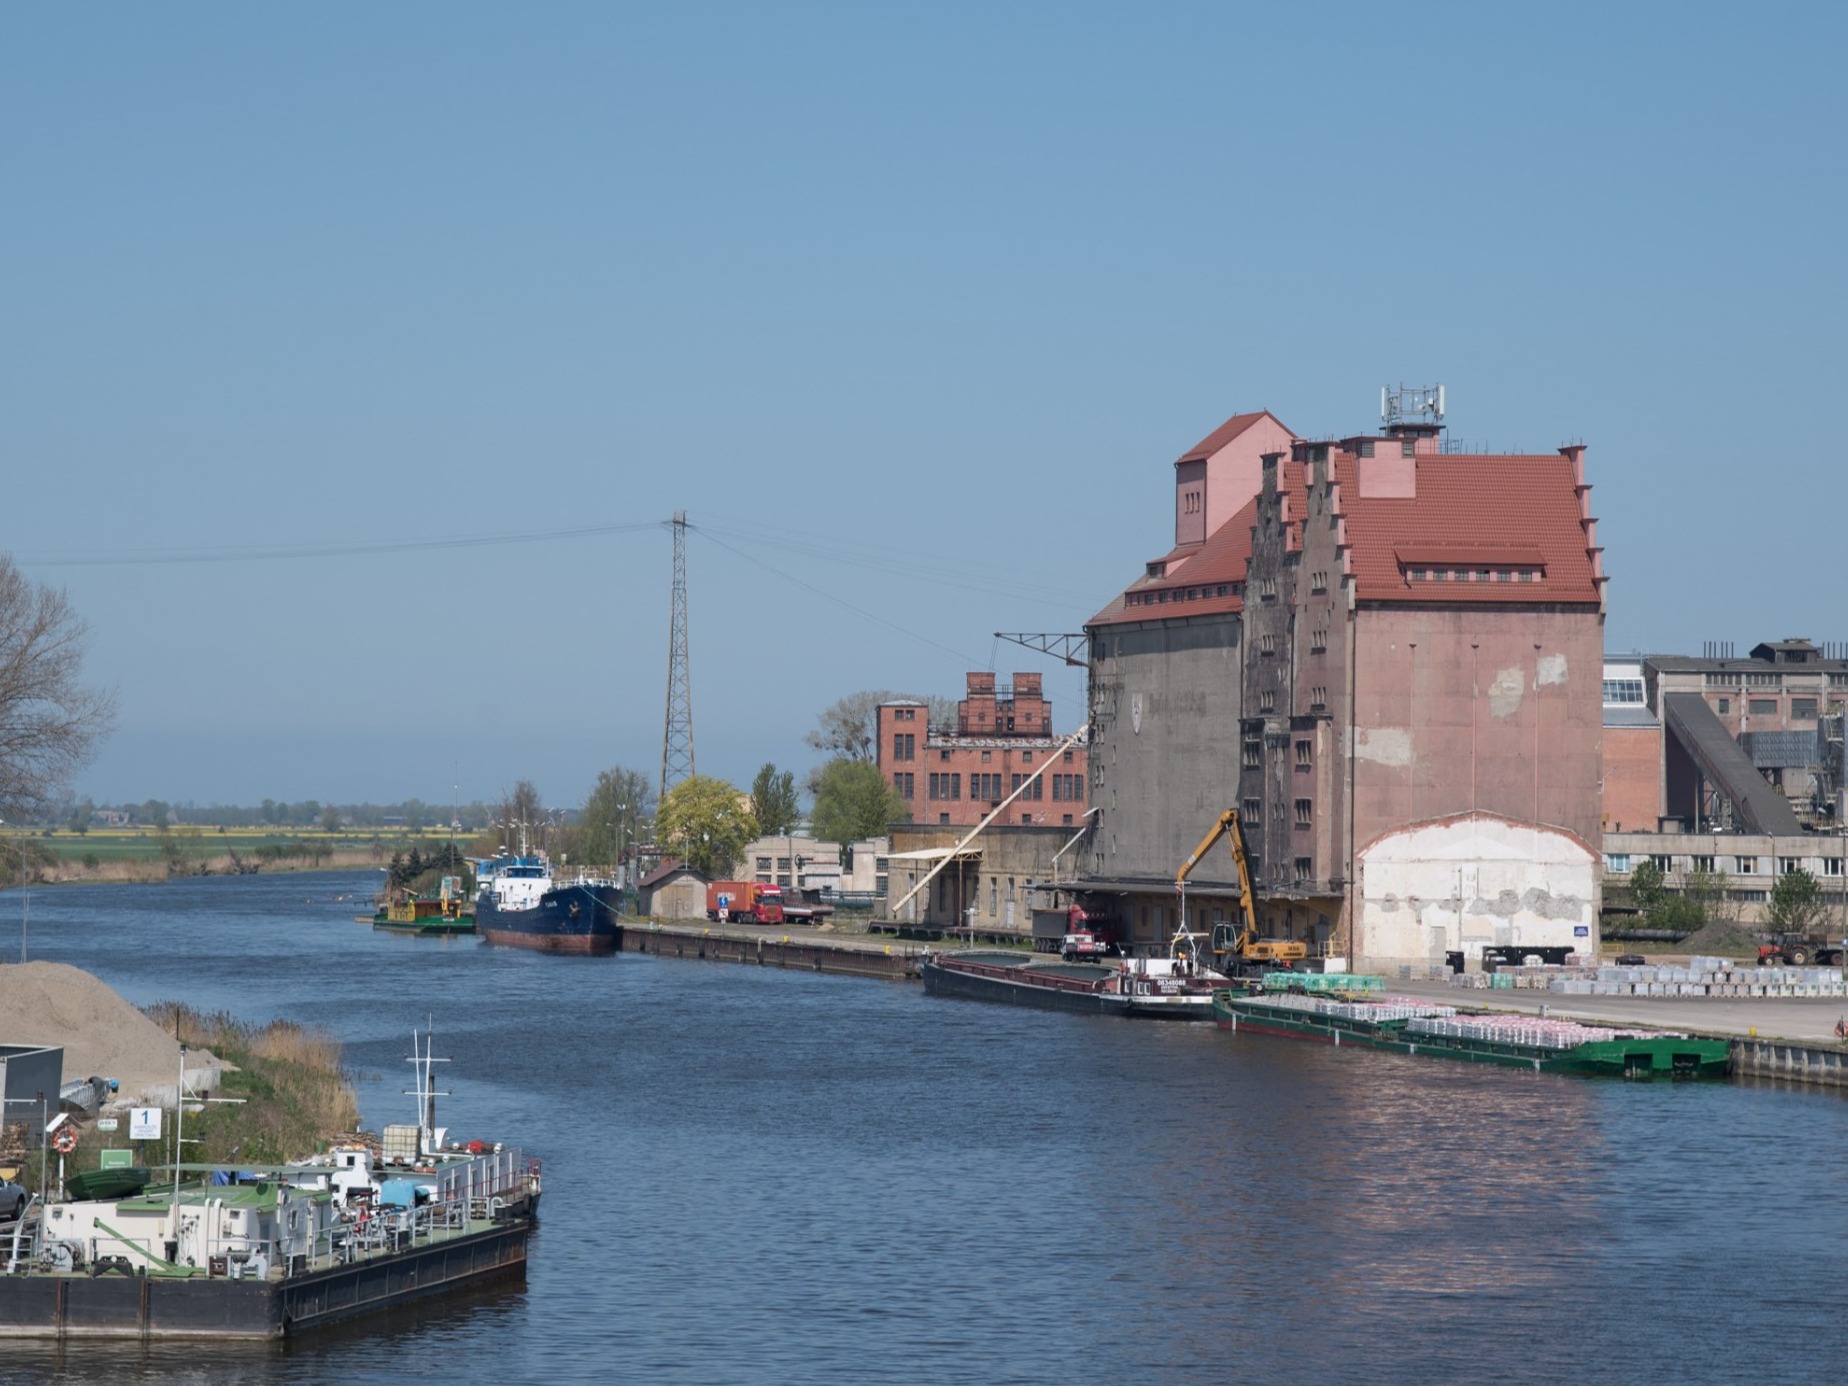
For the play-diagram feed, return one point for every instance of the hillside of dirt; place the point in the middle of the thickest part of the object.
(46, 1003)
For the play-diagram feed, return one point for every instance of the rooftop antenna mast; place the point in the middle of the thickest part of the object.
(677, 735)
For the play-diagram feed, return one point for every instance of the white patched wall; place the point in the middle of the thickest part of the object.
(1460, 884)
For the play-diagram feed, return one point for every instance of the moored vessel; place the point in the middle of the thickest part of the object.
(1410, 1026)
(522, 905)
(1170, 988)
(271, 1251)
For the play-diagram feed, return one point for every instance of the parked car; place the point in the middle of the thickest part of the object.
(12, 1200)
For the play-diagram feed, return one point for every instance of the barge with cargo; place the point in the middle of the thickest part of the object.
(1410, 1026)
(215, 1253)
(1172, 988)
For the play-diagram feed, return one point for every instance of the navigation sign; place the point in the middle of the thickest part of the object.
(144, 1123)
(106, 1124)
(115, 1159)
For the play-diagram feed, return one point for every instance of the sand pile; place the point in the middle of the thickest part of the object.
(46, 1003)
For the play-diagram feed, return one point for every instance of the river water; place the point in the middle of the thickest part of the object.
(759, 1176)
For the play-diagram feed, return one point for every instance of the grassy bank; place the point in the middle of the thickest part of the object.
(147, 854)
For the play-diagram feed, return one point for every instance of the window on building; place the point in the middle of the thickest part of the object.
(1785, 865)
(1802, 707)
(1305, 811)
(1662, 864)
(1253, 753)
(1267, 700)
(943, 818)
(1065, 820)
(1305, 752)
(994, 896)
(1831, 866)
(1702, 863)
(1318, 699)
(1318, 582)
(1762, 707)
(906, 784)
(1305, 869)
(1623, 691)
(1764, 680)
(1267, 645)
(1746, 866)
(1407, 448)
(1249, 811)
(763, 863)
(1318, 642)
(1068, 757)
(943, 755)
(1026, 818)
(1617, 861)
(904, 746)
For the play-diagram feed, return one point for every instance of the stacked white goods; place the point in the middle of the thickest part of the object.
(1707, 977)
(1535, 1031)
(1387, 1008)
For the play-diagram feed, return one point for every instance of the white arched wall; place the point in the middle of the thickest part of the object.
(1469, 881)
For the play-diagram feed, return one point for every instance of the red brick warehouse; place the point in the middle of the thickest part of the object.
(1002, 735)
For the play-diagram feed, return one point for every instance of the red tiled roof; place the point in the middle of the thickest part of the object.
(1513, 511)
(1469, 511)
(1224, 434)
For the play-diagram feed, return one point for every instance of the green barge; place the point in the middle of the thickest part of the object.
(1419, 1028)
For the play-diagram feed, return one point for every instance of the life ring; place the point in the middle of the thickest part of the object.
(65, 1141)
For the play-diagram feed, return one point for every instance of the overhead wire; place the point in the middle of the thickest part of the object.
(826, 595)
(358, 548)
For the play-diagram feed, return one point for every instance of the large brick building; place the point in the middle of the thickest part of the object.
(1377, 635)
(1002, 735)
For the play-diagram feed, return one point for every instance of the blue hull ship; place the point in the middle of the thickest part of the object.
(521, 905)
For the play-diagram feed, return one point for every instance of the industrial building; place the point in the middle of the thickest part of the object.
(955, 776)
(1728, 766)
(1387, 655)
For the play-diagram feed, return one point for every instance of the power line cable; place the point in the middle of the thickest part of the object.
(359, 548)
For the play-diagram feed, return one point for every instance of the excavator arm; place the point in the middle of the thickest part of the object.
(1228, 827)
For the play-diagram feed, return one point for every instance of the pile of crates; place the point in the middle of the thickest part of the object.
(1321, 983)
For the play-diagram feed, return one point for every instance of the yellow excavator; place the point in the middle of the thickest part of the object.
(1237, 947)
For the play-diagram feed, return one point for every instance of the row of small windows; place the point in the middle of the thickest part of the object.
(1735, 866)
(1474, 574)
(1186, 594)
(1800, 708)
(1623, 692)
(1723, 678)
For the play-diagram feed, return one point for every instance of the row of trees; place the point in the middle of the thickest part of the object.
(1796, 905)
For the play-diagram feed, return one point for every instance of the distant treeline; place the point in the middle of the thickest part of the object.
(81, 815)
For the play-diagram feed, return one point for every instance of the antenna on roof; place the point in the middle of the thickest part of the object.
(1415, 406)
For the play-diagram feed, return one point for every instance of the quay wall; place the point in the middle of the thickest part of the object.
(849, 958)
(1800, 1063)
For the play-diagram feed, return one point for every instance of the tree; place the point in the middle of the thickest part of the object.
(614, 819)
(1711, 894)
(850, 728)
(773, 800)
(330, 819)
(1796, 904)
(853, 800)
(1646, 887)
(703, 821)
(50, 721)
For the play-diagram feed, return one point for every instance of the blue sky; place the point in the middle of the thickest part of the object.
(909, 308)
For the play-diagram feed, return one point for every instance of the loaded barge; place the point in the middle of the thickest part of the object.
(1409, 1026)
(1172, 988)
(269, 1253)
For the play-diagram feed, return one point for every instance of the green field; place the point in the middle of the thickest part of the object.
(133, 853)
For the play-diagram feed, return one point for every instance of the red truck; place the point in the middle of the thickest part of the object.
(1076, 932)
(746, 902)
